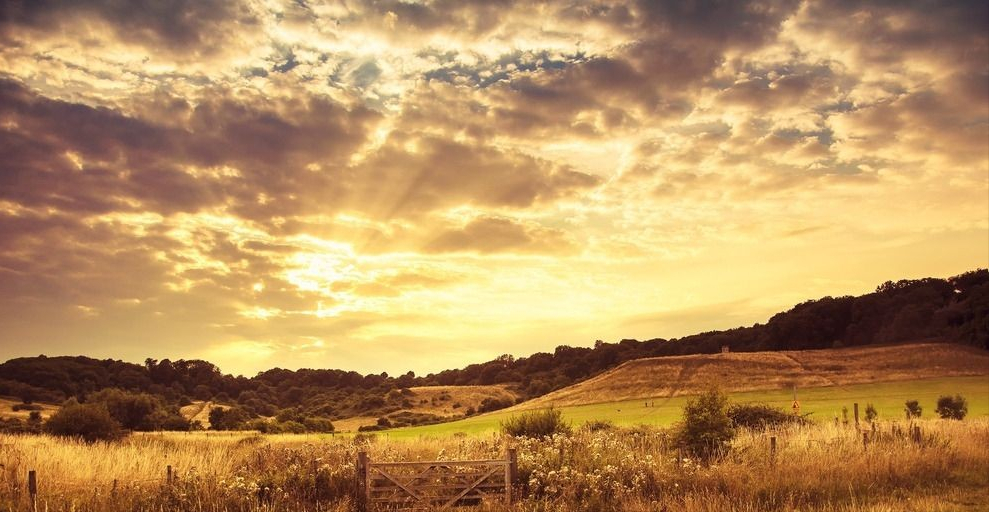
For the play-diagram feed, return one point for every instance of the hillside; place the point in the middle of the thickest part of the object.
(436, 403)
(199, 411)
(954, 310)
(667, 377)
(7, 405)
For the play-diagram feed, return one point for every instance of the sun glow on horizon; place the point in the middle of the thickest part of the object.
(396, 187)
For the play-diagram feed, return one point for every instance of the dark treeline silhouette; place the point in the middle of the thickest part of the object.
(950, 310)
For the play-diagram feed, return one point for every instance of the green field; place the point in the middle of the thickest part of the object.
(823, 404)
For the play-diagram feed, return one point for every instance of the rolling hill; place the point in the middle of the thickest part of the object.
(773, 355)
(674, 376)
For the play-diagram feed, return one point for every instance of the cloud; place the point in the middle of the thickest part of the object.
(257, 154)
(416, 173)
(190, 28)
(492, 234)
(263, 175)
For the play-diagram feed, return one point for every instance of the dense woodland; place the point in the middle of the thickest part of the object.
(951, 310)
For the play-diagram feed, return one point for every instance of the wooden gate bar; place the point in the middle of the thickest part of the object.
(435, 485)
(468, 489)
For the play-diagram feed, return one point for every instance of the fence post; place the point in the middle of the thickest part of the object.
(168, 475)
(361, 491)
(916, 434)
(511, 474)
(865, 440)
(856, 407)
(32, 489)
(772, 450)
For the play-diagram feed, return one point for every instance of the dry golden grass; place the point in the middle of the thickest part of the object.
(354, 423)
(817, 468)
(752, 371)
(7, 411)
(431, 399)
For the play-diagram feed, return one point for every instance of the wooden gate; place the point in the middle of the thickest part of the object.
(433, 485)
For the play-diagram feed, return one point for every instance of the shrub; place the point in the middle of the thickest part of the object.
(292, 427)
(913, 409)
(544, 422)
(89, 422)
(762, 416)
(318, 425)
(707, 429)
(871, 414)
(598, 425)
(493, 404)
(952, 407)
(405, 418)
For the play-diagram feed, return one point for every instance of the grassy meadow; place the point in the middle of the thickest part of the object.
(633, 465)
(822, 403)
(821, 467)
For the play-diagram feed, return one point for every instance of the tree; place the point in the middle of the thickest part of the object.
(89, 422)
(227, 419)
(952, 407)
(707, 429)
(132, 410)
(913, 409)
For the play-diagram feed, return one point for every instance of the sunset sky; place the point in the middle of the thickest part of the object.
(386, 186)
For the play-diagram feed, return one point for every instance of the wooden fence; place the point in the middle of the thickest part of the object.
(433, 485)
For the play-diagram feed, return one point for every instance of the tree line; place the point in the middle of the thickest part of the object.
(952, 310)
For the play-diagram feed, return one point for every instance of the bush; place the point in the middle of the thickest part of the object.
(25, 407)
(762, 416)
(952, 407)
(913, 409)
(598, 425)
(89, 422)
(545, 422)
(493, 404)
(871, 414)
(318, 425)
(707, 429)
(292, 427)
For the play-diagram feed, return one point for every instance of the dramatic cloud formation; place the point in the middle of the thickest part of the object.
(419, 185)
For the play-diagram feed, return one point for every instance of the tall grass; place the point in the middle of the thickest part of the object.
(816, 468)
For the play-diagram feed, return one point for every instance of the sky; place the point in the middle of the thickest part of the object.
(396, 185)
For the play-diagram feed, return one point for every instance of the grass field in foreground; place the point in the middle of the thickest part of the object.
(823, 404)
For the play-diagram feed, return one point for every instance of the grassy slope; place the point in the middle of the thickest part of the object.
(824, 403)
(199, 411)
(7, 411)
(445, 401)
(753, 371)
